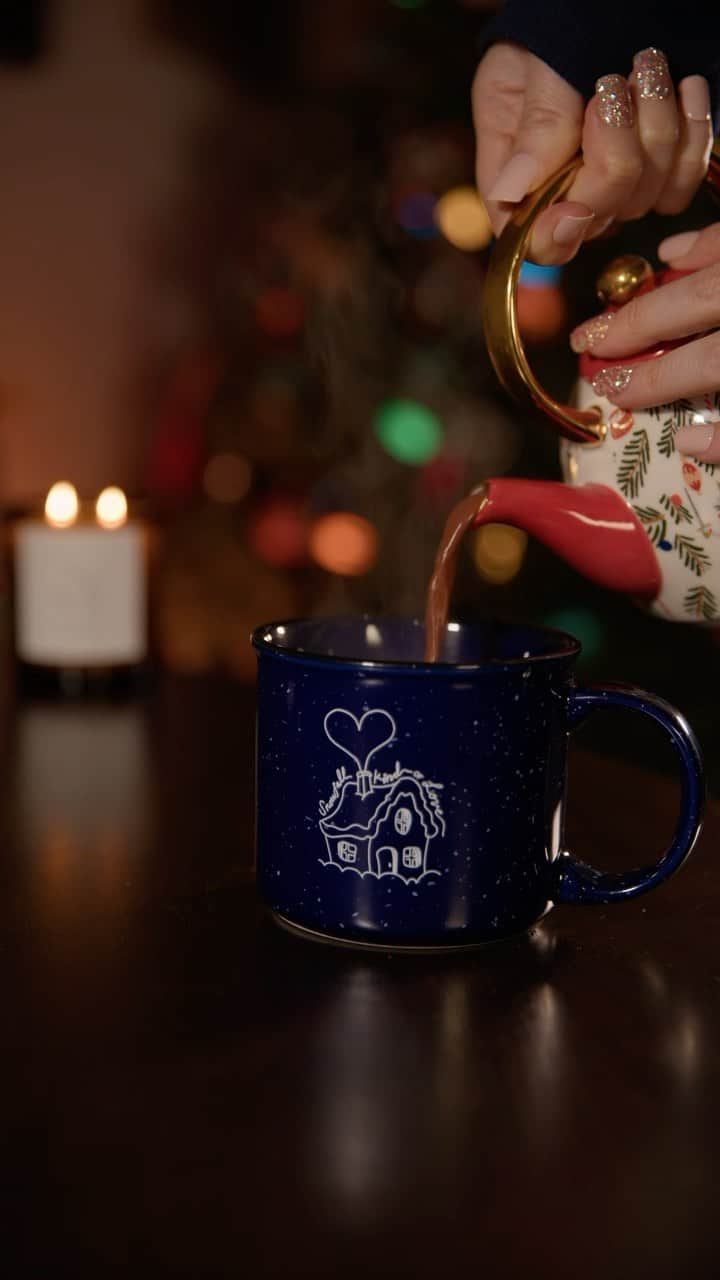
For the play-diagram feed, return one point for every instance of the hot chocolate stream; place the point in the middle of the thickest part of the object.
(461, 518)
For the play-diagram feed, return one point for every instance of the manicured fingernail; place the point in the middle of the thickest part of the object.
(696, 439)
(603, 225)
(695, 98)
(587, 335)
(515, 179)
(610, 382)
(570, 230)
(614, 102)
(652, 75)
(677, 246)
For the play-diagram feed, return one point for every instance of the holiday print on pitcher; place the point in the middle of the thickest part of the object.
(675, 498)
(378, 824)
(680, 527)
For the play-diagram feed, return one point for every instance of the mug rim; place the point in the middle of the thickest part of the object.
(567, 646)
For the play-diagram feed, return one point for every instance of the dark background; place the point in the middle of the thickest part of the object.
(289, 197)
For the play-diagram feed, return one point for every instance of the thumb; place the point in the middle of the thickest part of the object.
(701, 442)
(548, 135)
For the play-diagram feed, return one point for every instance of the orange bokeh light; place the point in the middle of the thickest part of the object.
(463, 219)
(344, 543)
(542, 312)
(499, 551)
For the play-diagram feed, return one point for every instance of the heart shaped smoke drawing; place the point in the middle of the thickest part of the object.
(360, 739)
(378, 824)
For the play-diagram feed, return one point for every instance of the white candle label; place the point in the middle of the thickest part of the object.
(80, 595)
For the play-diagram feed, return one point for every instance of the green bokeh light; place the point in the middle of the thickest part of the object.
(584, 625)
(408, 431)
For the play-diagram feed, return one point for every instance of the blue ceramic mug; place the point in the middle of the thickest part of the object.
(408, 804)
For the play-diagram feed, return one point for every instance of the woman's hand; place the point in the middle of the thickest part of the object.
(528, 123)
(679, 309)
(643, 147)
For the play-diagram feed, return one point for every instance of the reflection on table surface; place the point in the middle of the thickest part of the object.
(84, 807)
(194, 1088)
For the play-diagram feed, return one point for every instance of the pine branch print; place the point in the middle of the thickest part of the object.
(633, 467)
(677, 411)
(666, 441)
(677, 512)
(681, 408)
(693, 556)
(701, 603)
(654, 523)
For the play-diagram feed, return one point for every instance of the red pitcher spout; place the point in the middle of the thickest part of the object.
(590, 526)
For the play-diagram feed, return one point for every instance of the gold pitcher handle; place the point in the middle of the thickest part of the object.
(502, 332)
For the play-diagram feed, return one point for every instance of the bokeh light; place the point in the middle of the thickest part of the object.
(414, 211)
(498, 552)
(111, 508)
(535, 276)
(463, 219)
(442, 479)
(344, 543)
(279, 313)
(62, 505)
(227, 478)
(542, 312)
(583, 624)
(408, 431)
(278, 533)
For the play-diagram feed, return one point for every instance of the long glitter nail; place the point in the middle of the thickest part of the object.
(610, 382)
(587, 335)
(614, 101)
(652, 75)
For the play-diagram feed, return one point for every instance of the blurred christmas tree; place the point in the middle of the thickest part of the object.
(350, 401)
(356, 402)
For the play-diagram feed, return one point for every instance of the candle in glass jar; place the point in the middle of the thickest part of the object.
(80, 584)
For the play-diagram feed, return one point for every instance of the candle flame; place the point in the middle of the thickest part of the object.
(111, 508)
(61, 505)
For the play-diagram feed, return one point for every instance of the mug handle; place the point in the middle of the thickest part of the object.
(575, 881)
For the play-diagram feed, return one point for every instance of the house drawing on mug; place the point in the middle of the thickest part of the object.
(378, 824)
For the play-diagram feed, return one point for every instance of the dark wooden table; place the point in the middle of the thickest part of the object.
(194, 1093)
